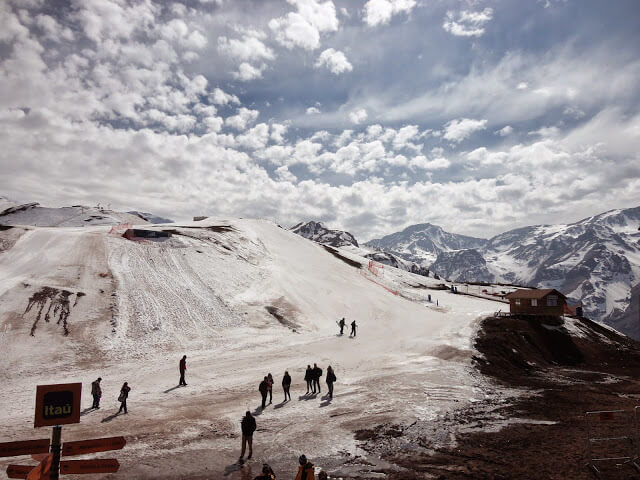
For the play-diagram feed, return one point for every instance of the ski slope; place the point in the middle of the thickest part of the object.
(241, 298)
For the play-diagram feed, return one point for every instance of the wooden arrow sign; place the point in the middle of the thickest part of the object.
(19, 471)
(41, 472)
(108, 465)
(92, 446)
(27, 447)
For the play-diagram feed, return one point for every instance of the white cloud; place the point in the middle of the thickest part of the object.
(505, 131)
(379, 12)
(335, 61)
(458, 130)
(303, 27)
(278, 131)
(247, 72)
(248, 49)
(312, 111)
(254, 138)
(522, 86)
(467, 23)
(219, 97)
(243, 118)
(285, 175)
(423, 163)
(358, 116)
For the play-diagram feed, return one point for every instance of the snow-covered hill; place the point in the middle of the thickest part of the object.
(424, 242)
(463, 266)
(241, 298)
(318, 232)
(75, 216)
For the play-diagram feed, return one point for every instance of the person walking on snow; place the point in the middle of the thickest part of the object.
(270, 385)
(317, 375)
(305, 471)
(183, 369)
(286, 385)
(263, 388)
(341, 324)
(96, 392)
(331, 378)
(308, 377)
(248, 426)
(124, 394)
(353, 328)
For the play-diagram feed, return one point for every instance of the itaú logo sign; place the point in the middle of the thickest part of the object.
(57, 405)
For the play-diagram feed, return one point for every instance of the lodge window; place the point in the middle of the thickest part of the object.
(517, 301)
(534, 302)
(552, 301)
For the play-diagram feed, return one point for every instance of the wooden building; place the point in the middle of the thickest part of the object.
(544, 301)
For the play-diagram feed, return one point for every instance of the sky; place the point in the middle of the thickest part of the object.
(478, 116)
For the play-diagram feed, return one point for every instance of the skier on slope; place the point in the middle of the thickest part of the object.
(353, 328)
(308, 377)
(183, 369)
(96, 392)
(341, 324)
(248, 426)
(317, 375)
(263, 388)
(286, 385)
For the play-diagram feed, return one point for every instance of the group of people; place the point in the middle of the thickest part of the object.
(313, 375)
(96, 393)
(342, 323)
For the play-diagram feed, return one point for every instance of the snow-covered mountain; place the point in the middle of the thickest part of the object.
(423, 243)
(595, 260)
(150, 217)
(463, 266)
(318, 232)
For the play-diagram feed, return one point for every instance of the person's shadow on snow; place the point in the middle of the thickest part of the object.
(86, 411)
(257, 412)
(110, 417)
(171, 389)
(281, 404)
(308, 396)
(236, 467)
(326, 401)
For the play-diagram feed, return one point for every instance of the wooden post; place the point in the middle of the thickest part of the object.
(56, 444)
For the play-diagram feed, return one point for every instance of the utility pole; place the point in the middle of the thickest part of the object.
(56, 443)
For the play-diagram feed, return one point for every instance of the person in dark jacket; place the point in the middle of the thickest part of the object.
(183, 369)
(353, 328)
(317, 374)
(267, 473)
(270, 385)
(286, 385)
(308, 377)
(331, 377)
(248, 426)
(341, 324)
(96, 392)
(263, 388)
(124, 394)
(305, 471)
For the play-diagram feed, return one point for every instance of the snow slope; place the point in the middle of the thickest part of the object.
(76, 216)
(240, 298)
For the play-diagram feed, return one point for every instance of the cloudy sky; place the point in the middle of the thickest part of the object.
(479, 116)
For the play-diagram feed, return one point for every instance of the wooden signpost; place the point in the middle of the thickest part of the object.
(93, 446)
(26, 447)
(58, 405)
(107, 465)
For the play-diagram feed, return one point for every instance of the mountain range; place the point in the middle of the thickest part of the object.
(595, 261)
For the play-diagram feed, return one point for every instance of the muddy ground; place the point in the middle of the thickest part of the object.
(559, 376)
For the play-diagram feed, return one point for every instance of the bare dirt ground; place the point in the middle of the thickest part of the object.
(563, 376)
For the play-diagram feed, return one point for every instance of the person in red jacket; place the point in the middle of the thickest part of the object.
(305, 471)
(183, 369)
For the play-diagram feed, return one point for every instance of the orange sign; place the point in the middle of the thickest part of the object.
(19, 471)
(27, 447)
(108, 465)
(41, 472)
(57, 404)
(93, 446)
